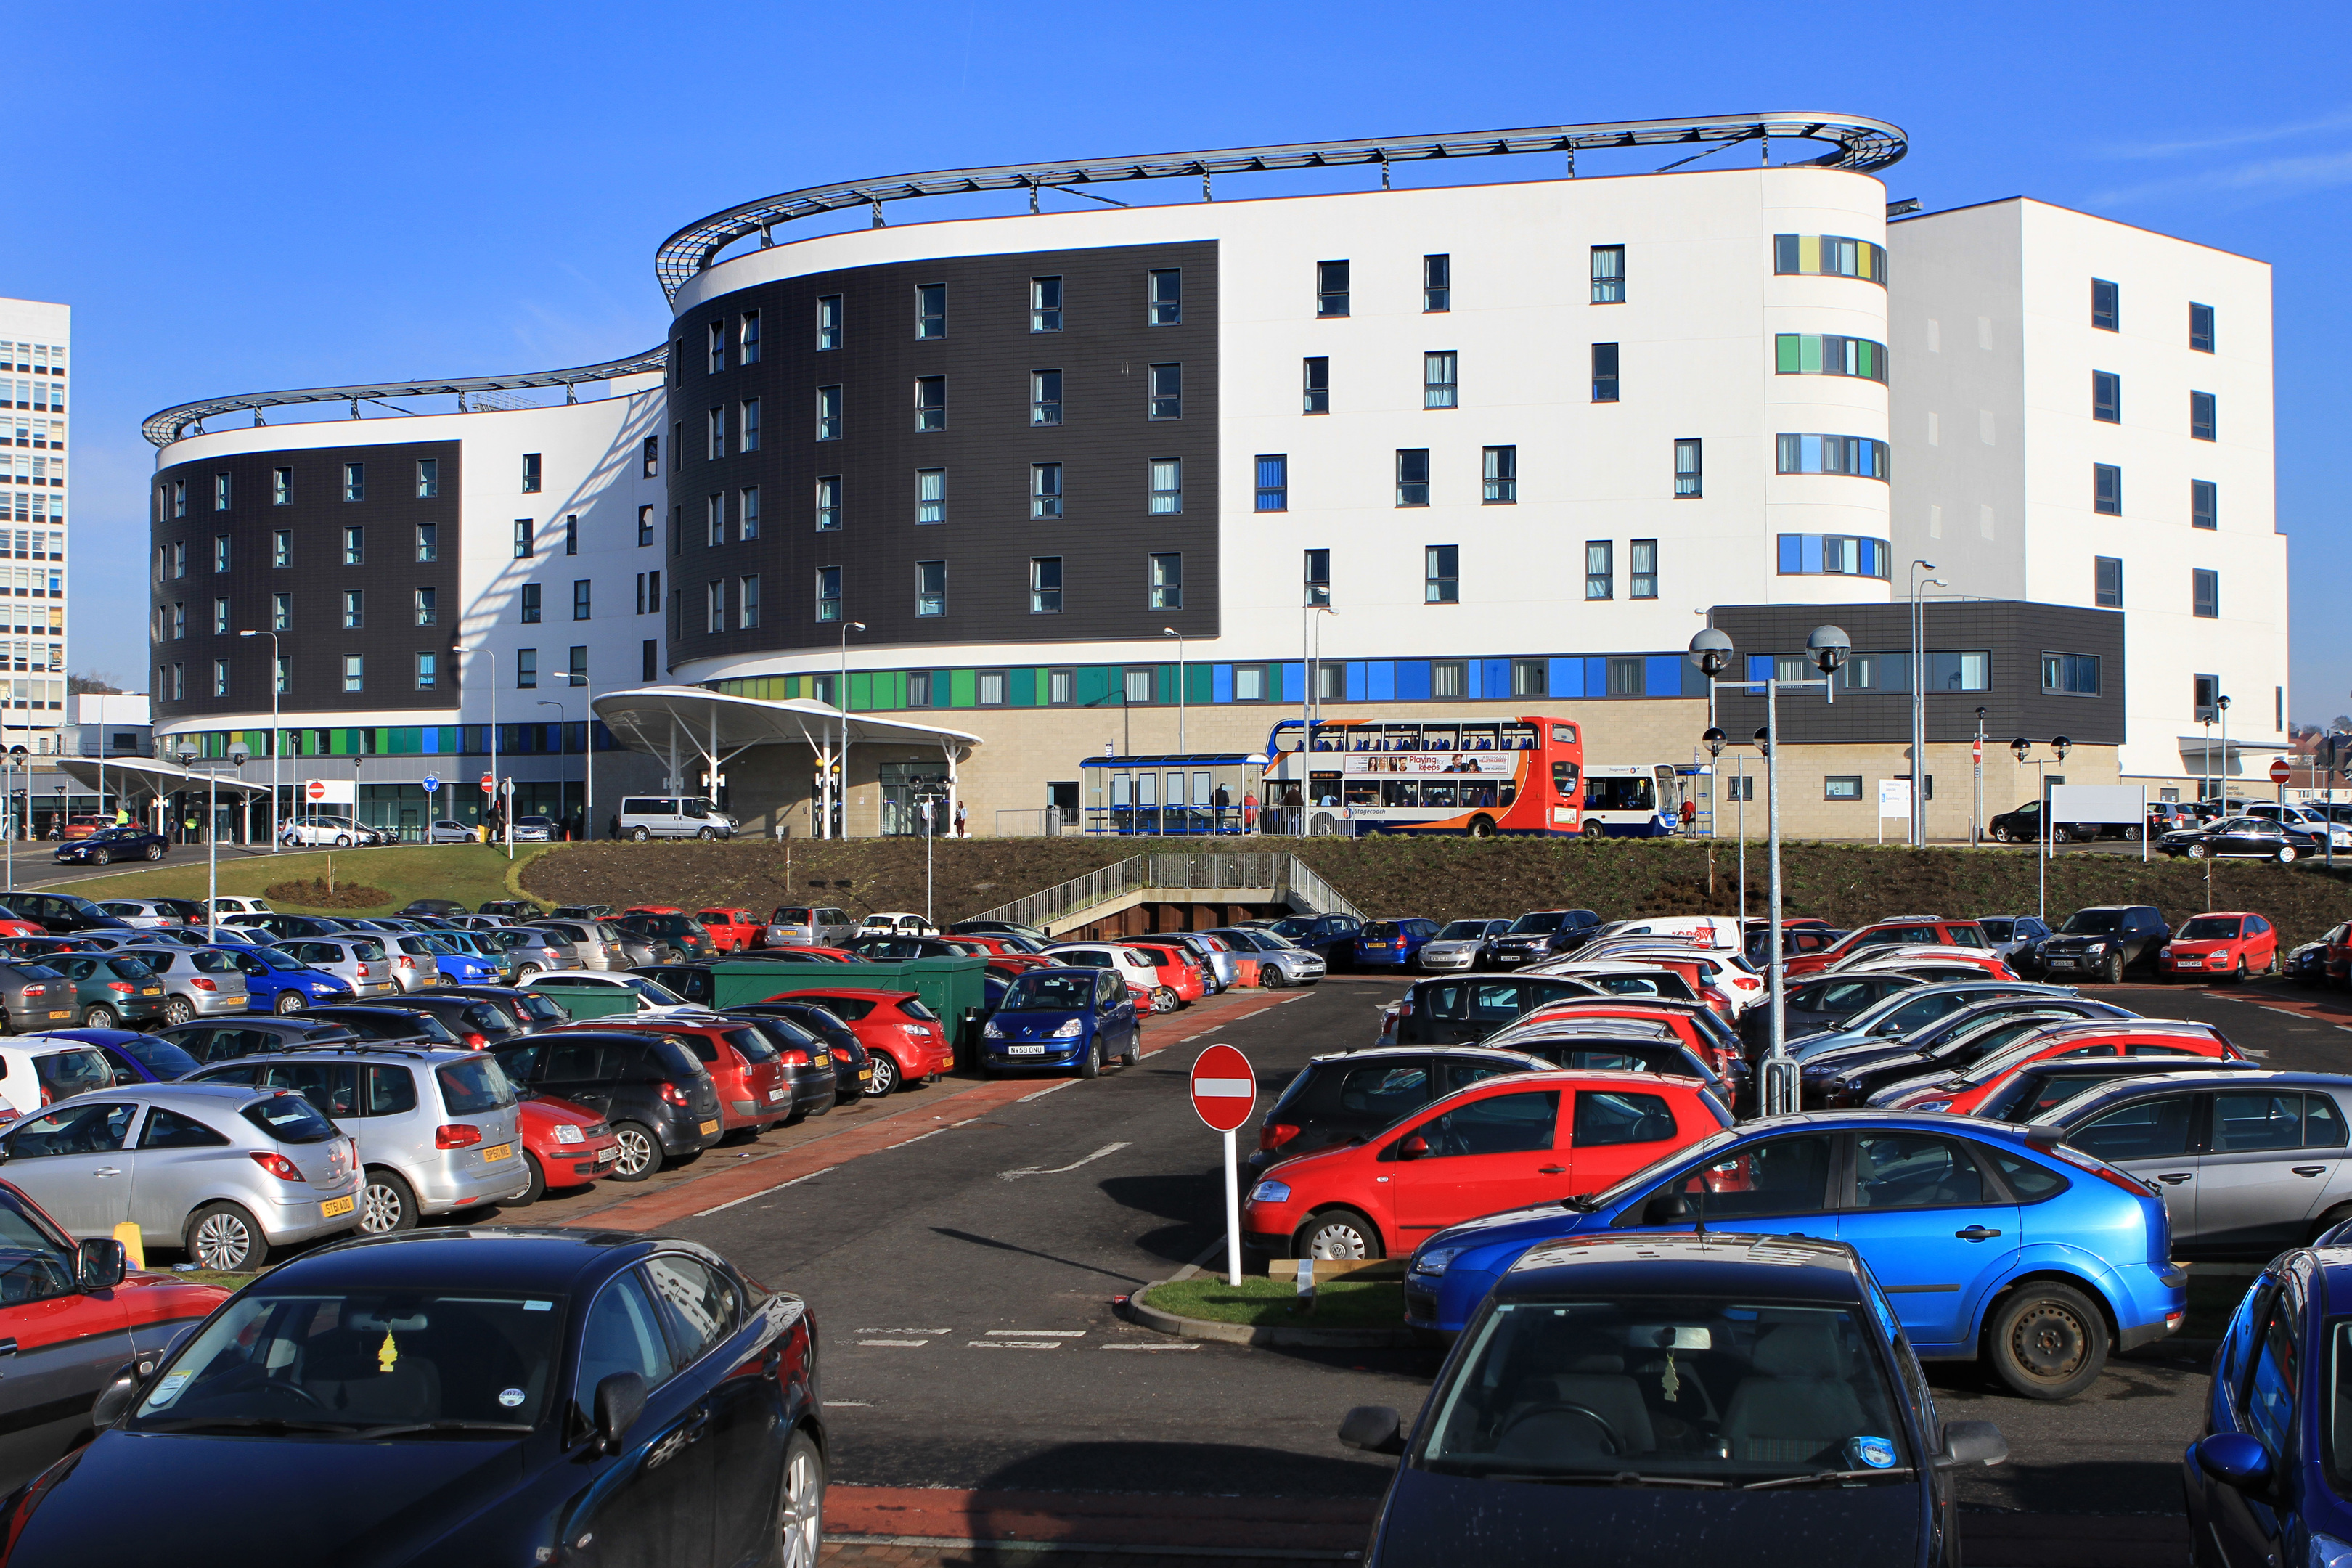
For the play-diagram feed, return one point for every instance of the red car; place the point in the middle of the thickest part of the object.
(1960, 1094)
(731, 930)
(1506, 1143)
(1711, 1047)
(565, 1145)
(1177, 970)
(903, 1039)
(2228, 943)
(1904, 930)
(754, 1093)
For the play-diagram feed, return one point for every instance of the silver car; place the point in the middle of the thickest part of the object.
(808, 925)
(358, 962)
(415, 966)
(1460, 945)
(142, 912)
(226, 1170)
(535, 952)
(196, 981)
(438, 1131)
(596, 950)
(1279, 962)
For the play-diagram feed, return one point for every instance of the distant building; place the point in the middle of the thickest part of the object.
(35, 338)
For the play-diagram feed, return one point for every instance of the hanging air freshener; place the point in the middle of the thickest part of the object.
(387, 1354)
(1671, 1383)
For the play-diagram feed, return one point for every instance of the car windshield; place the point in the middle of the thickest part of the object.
(913, 1008)
(1570, 1389)
(1380, 931)
(2091, 922)
(1536, 925)
(1292, 929)
(1045, 991)
(473, 1087)
(1999, 930)
(653, 991)
(2208, 927)
(158, 1055)
(128, 968)
(1463, 930)
(370, 1362)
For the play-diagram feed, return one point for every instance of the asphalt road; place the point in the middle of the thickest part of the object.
(966, 1281)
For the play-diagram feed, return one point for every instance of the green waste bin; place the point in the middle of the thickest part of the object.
(954, 988)
(599, 1002)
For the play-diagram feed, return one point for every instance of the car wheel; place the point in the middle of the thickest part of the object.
(288, 1002)
(526, 971)
(1270, 975)
(1340, 1236)
(800, 1512)
(2195, 851)
(639, 1154)
(885, 1079)
(2112, 972)
(97, 1017)
(1134, 1052)
(2048, 1342)
(2239, 978)
(707, 835)
(178, 1010)
(538, 1188)
(154, 851)
(101, 857)
(1591, 830)
(2286, 855)
(2132, 833)
(1165, 999)
(640, 834)
(1090, 1064)
(387, 1205)
(343, 840)
(2328, 1221)
(223, 1236)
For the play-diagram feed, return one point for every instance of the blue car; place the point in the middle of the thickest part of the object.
(1393, 944)
(1054, 1020)
(463, 963)
(1698, 1391)
(2266, 1483)
(1984, 1234)
(135, 1058)
(275, 981)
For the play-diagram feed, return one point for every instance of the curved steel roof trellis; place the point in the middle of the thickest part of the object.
(170, 425)
(1861, 144)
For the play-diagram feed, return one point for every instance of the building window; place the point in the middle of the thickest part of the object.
(828, 592)
(428, 611)
(572, 534)
(1166, 392)
(2107, 581)
(645, 527)
(220, 618)
(1412, 476)
(1059, 684)
(354, 547)
(2072, 674)
(526, 667)
(179, 619)
(1044, 304)
(1827, 353)
(522, 543)
(1502, 476)
(281, 486)
(1448, 679)
(931, 495)
(1316, 380)
(1167, 485)
(1841, 787)
(1440, 386)
(714, 607)
(714, 520)
(748, 337)
(930, 403)
(930, 587)
(1625, 677)
(281, 548)
(355, 481)
(828, 321)
(220, 552)
(530, 473)
(750, 424)
(530, 603)
(2201, 415)
(717, 332)
(1687, 467)
(1835, 554)
(931, 309)
(1044, 585)
(1139, 686)
(2108, 396)
(990, 686)
(429, 541)
(1608, 274)
(1604, 372)
(220, 492)
(1529, 678)
(2206, 698)
(1599, 569)
(428, 671)
(582, 591)
(1274, 481)
(2107, 488)
(747, 506)
(1436, 284)
(715, 424)
(1856, 455)
(828, 413)
(1249, 683)
(1167, 297)
(282, 612)
(1045, 398)
(2205, 594)
(2106, 305)
(354, 672)
(1167, 583)
(747, 602)
(1318, 577)
(1045, 490)
(179, 559)
(1441, 573)
(653, 457)
(1330, 289)
(2200, 328)
(2204, 504)
(918, 689)
(1829, 256)
(1642, 574)
(649, 659)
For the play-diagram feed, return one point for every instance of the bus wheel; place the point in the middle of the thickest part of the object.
(1592, 830)
(1482, 828)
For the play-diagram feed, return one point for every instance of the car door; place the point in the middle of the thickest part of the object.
(2247, 1527)
(61, 1346)
(578, 1071)
(653, 1499)
(1489, 1153)
(76, 1163)
(2272, 1158)
(1778, 1184)
(1614, 1132)
(2151, 1138)
(720, 1354)
(1935, 1228)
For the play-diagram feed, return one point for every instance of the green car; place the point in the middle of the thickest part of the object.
(111, 990)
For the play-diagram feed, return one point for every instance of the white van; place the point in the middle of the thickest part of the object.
(643, 816)
(1712, 931)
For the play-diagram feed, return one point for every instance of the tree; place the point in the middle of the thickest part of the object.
(93, 682)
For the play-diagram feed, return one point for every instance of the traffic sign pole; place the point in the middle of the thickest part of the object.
(1224, 1091)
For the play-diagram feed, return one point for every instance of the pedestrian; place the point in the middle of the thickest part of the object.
(1224, 804)
(1249, 812)
(1690, 815)
(959, 822)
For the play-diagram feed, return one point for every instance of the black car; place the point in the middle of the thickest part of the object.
(531, 1010)
(578, 913)
(1462, 1010)
(1352, 1097)
(392, 1023)
(211, 1040)
(2244, 838)
(499, 1391)
(2307, 965)
(61, 914)
(2048, 1084)
(2107, 940)
(662, 1106)
(851, 1070)
(1626, 1045)
(1850, 1075)
(1640, 1406)
(881, 948)
(514, 909)
(108, 845)
(2023, 825)
(1540, 934)
(437, 906)
(1333, 936)
(475, 1021)
(807, 1061)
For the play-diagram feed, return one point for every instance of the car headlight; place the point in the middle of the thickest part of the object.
(1070, 1029)
(1270, 1192)
(565, 1133)
(1930, 1105)
(1433, 1260)
(992, 1031)
(2095, 947)
(2167, 952)
(1852, 1086)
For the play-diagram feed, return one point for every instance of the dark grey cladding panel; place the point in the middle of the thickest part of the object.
(390, 639)
(1105, 445)
(2015, 632)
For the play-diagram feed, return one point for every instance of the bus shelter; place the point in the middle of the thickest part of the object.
(163, 794)
(1202, 794)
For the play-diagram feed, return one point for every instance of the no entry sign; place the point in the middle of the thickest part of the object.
(488, 783)
(1224, 1088)
(2279, 771)
(316, 790)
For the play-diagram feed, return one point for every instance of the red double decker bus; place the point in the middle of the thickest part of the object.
(1473, 775)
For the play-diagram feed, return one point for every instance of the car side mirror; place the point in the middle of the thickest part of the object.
(1412, 1148)
(620, 1400)
(2235, 1459)
(99, 1264)
(1667, 1209)
(118, 1395)
(1971, 1443)
(1374, 1428)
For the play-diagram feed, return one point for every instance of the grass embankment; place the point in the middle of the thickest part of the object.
(1445, 879)
(469, 873)
(1275, 1303)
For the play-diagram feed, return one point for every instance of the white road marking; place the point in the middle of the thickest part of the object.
(780, 1187)
(848, 1405)
(901, 1344)
(934, 1332)
(1187, 1345)
(918, 1137)
(1049, 1089)
(1057, 1170)
(1037, 1333)
(1016, 1344)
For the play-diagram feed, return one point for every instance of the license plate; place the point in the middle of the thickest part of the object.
(497, 1151)
(2061, 963)
(775, 1094)
(1024, 1050)
(335, 1208)
(63, 1014)
(822, 1059)
(864, 1075)
(152, 991)
(605, 1156)
(708, 1128)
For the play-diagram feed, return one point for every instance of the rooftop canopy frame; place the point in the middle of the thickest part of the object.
(672, 722)
(1857, 143)
(143, 778)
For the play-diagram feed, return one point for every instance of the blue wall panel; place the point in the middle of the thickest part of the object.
(1413, 680)
(1380, 681)
(1222, 689)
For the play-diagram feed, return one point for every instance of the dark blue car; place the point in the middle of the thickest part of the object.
(135, 1058)
(459, 1396)
(1694, 1391)
(1061, 1019)
(1987, 1238)
(1393, 944)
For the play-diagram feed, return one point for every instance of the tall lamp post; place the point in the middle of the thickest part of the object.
(2023, 749)
(1827, 649)
(2222, 705)
(235, 759)
(16, 761)
(1172, 632)
(277, 740)
(1918, 824)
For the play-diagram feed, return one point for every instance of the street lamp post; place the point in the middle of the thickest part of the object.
(1172, 632)
(15, 762)
(1918, 824)
(2023, 748)
(1976, 780)
(2222, 705)
(235, 759)
(1827, 647)
(277, 740)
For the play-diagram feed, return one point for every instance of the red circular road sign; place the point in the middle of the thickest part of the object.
(1224, 1088)
(317, 790)
(488, 783)
(2280, 771)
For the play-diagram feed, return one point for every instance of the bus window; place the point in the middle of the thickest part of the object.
(1363, 792)
(1563, 734)
(1326, 739)
(1509, 792)
(1477, 737)
(1439, 738)
(1438, 793)
(1477, 795)
(1403, 738)
(1324, 788)
(1400, 791)
(1563, 780)
(1619, 793)
(1285, 739)
(1518, 737)
(1363, 739)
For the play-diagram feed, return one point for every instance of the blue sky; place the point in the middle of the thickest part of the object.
(277, 195)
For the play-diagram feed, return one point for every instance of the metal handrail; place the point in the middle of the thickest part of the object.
(1284, 876)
